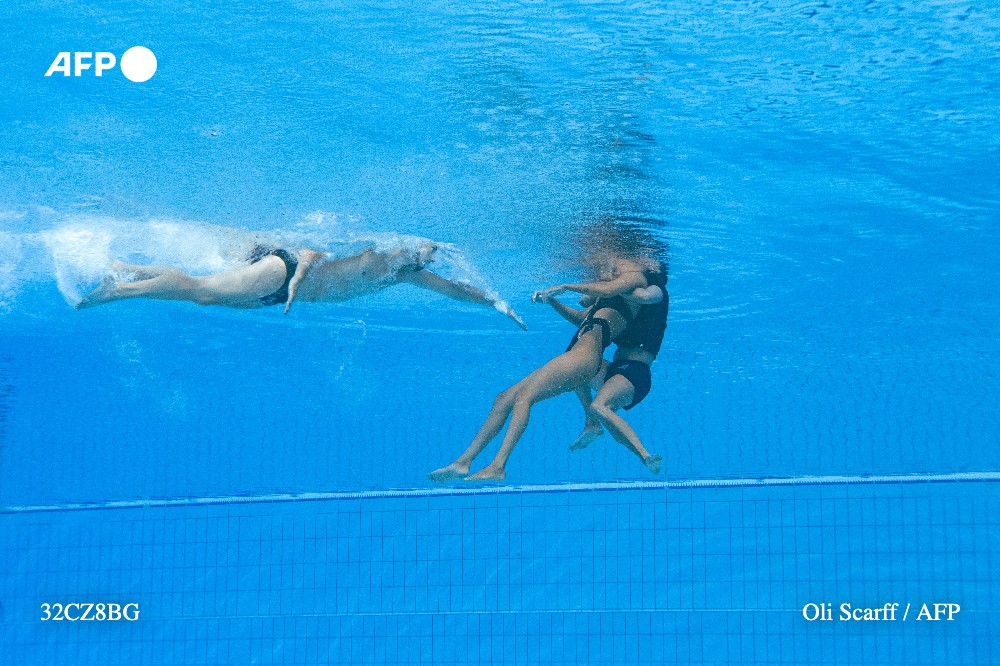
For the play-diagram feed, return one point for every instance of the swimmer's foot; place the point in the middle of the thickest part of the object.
(589, 434)
(449, 473)
(108, 291)
(653, 462)
(488, 473)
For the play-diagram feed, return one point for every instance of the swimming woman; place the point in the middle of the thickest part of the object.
(275, 276)
(604, 321)
(626, 381)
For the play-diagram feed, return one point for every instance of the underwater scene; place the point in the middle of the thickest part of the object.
(531, 333)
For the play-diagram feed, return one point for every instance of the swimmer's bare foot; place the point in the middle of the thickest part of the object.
(449, 473)
(106, 292)
(589, 434)
(653, 462)
(489, 473)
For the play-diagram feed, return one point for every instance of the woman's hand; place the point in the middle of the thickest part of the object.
(556, 290)
(517, 319)
(540, 297)
(306, 260)
(546, 295)
(293, 288)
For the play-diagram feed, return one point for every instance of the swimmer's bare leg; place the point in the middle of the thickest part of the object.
(563, 373)
(520, 413)
(615, 394)
(170, 284)
(502, 407)
(457, 291)
(139, 272)
(592, 428)
(108, 289)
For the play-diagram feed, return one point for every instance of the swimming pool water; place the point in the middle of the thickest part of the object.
(822, 172)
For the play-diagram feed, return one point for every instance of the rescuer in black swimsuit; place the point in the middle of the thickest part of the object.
(626, 381)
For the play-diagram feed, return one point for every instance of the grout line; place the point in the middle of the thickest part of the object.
(505, 490)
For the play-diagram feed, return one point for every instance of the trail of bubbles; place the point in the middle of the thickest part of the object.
(10, 256)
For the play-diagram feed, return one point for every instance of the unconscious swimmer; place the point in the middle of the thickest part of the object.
(616, 300)
(275, 276)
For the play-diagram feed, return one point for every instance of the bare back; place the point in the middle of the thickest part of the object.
(336, 280)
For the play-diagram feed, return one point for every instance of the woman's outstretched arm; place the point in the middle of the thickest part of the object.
(572, 315)
(458, 291)
(640, 296)
(621, 285)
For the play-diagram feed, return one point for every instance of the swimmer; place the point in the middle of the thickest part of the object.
(604, 321)
(626, 381)
(274, 276)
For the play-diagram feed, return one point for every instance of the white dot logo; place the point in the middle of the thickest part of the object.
(138, 64)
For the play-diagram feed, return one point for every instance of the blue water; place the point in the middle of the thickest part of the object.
(824, 175)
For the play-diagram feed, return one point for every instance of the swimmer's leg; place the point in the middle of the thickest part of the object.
(138, 271)
(563, 373)
(615, 394)
(108, 290)
(502, 407)
(239, 287)
(592, 428)
(169, 284)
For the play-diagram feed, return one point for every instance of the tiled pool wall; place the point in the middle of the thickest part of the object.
(641, 576)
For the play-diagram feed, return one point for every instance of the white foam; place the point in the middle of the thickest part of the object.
(80, 255)
(10, 256)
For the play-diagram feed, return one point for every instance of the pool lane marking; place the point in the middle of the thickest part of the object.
(504, 490)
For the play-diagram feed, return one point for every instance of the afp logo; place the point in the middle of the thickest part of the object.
(137, 64)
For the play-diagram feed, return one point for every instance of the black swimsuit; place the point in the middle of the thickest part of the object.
(646, 329)
(281, 294)
(637, 373)
(616, 303)
(645, 332)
